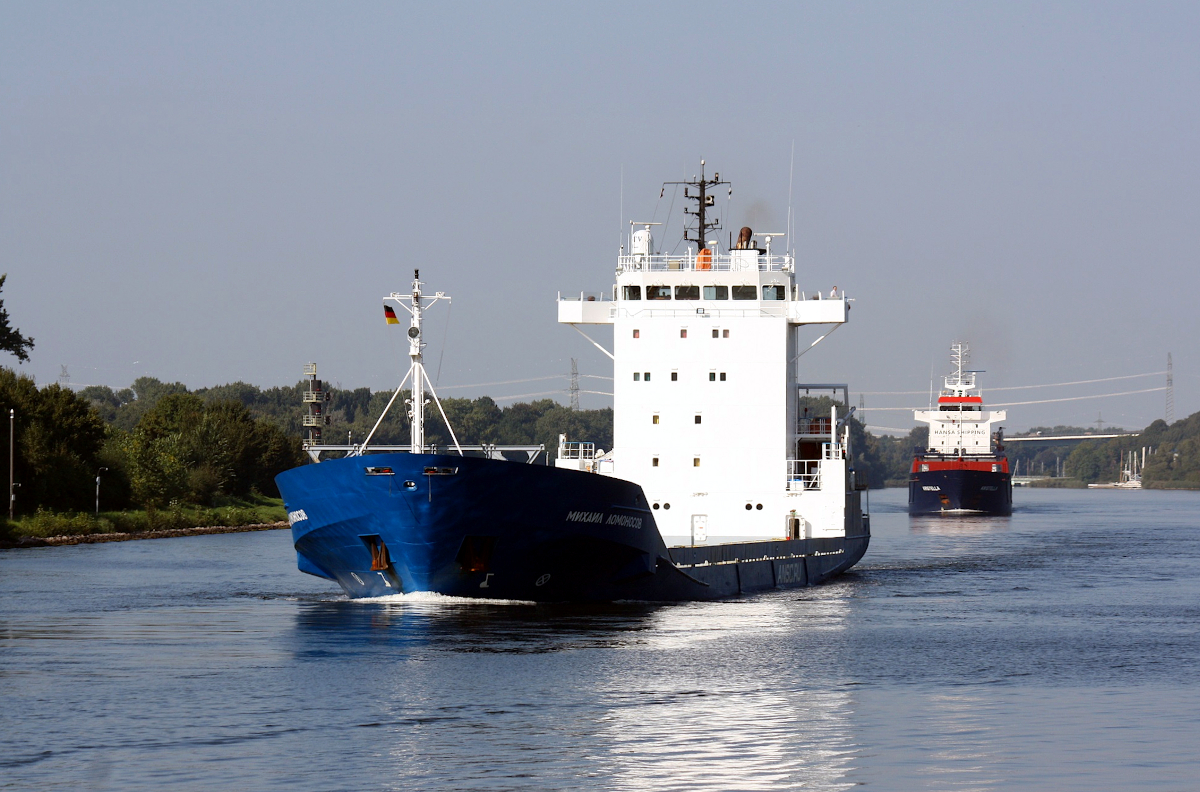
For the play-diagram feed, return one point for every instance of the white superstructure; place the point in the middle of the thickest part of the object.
(960, 426)
(707, 415)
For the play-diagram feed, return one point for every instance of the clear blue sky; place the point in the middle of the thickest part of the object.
(210, 192)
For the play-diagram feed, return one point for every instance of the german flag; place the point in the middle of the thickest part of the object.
(390, 315)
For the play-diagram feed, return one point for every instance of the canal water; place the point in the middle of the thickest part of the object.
(1057, 649)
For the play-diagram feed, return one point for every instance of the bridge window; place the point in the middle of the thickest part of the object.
(716, 333)
(772, 292)
(632, 292)
(646, 376)
(716, 292)
(695, 461)
(724, 334)
(674, 376)
(658, 292)
(654, 463)
(683, 332)
(745, 292)
(697, 419)
(687, 292)
(722, 376)
(637, 333)
(637, 376)
(654, 418)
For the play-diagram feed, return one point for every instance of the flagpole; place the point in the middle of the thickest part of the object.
(12, 418)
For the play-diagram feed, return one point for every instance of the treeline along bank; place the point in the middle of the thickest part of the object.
(159, 443)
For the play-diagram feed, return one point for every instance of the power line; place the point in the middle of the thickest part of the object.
(1046, 401)
(1078, 382)
(505, 382)
(558, 392)
(1077, 398)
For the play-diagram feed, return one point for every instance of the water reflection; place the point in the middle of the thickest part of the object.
(745, 694)
(958, 524)
(465, 626)
(726, 702)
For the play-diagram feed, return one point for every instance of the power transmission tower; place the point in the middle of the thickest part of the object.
(64, 379)
(862, 411)
(1170, 391)
(1099, 422)
(574, 384)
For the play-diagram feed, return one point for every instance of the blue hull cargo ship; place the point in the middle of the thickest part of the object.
(721, 482)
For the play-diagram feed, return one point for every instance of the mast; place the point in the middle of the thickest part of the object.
(416, 370)
(416, 409)
(704, 198)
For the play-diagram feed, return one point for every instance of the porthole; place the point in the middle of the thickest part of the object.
(410, 485)
(666, 505)
(758, 506)
(655, 506)
(748, 507)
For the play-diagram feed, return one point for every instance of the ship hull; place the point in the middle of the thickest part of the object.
(987, 492)
(473, 527)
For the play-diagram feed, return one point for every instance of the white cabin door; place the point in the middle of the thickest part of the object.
(699, 528)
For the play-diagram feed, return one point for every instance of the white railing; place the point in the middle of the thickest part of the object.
(814, 427)
(652, 309)
(586, 297)
(577, 451)
(721, 262)
(803, 474)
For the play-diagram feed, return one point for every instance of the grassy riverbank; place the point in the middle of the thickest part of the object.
(228, 512)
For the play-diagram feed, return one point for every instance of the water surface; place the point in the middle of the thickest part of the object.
(1056, 649)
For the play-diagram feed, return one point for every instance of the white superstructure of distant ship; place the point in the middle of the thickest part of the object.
(963, 467)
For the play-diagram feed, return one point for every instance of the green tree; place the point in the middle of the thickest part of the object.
(58, 438)
(11, 339)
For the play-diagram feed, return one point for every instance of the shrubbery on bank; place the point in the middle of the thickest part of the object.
(183, 453)
(231, 512)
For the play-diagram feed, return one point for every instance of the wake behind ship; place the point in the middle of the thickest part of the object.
(963, 468)
(721, 482)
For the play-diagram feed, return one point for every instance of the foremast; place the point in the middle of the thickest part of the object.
(415, 303)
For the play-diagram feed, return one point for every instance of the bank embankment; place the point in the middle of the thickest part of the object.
(125, 536)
